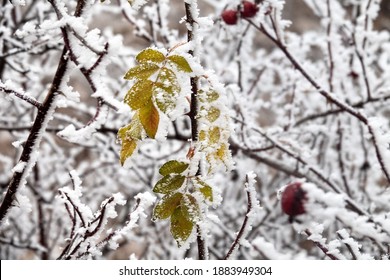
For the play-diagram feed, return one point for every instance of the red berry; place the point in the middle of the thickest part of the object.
(293, 200)
(230, 17)
(249, 9)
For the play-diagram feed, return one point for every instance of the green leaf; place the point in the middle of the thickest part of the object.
(205, 189)
(173, 166)
(165, 207)
(150, 119)
(140, 94)
(180, 62)
(169, 184)
(150, 55)
(142, 71)
(128, 147)
(190, 207)
(181, 226)
(213, 114)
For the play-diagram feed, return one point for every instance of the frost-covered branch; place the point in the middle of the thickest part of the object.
(22, 96)
(331, 97)
(29, 155)
(250, 216)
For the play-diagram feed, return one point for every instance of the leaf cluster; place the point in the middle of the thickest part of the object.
(155, 91)
(178, 204)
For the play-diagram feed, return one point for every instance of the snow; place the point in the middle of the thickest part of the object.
(275, 120)
(268, 249)
(19, 167)
(137, 4)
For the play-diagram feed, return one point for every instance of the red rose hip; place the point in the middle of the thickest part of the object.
(249, 9)
(230, 17)
(293, 200)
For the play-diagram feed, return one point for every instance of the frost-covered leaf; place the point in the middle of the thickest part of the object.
(212, 96)
(214, 135)
(202, 135)
(169, 184)
(181, 226)
(205, 189)
(140, 94)
(150, 55)
(142, 71)
(173, 166)
(168, 78)
(222, 152)
(213, 114)
(190, 207)
(180, 62)
(166, 90)
(208, 96)
(166, 206)
(128, 148)
(150, 119)
(133, 129)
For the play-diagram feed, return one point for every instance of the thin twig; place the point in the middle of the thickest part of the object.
(330, 97)
(321, 247)
(240, 234)
(22, 96)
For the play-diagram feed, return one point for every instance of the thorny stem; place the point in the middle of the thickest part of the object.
(33, 139)
(202, 249)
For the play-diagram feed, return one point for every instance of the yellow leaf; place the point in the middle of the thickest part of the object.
(180, 62)
(213, 114)
(140, 94)
(214, 135)
(133, 130)
(150, 119)
(150, 55)
(128, 147)
(205, 189)
(202, 135)
(212, 96)
(142, 71)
